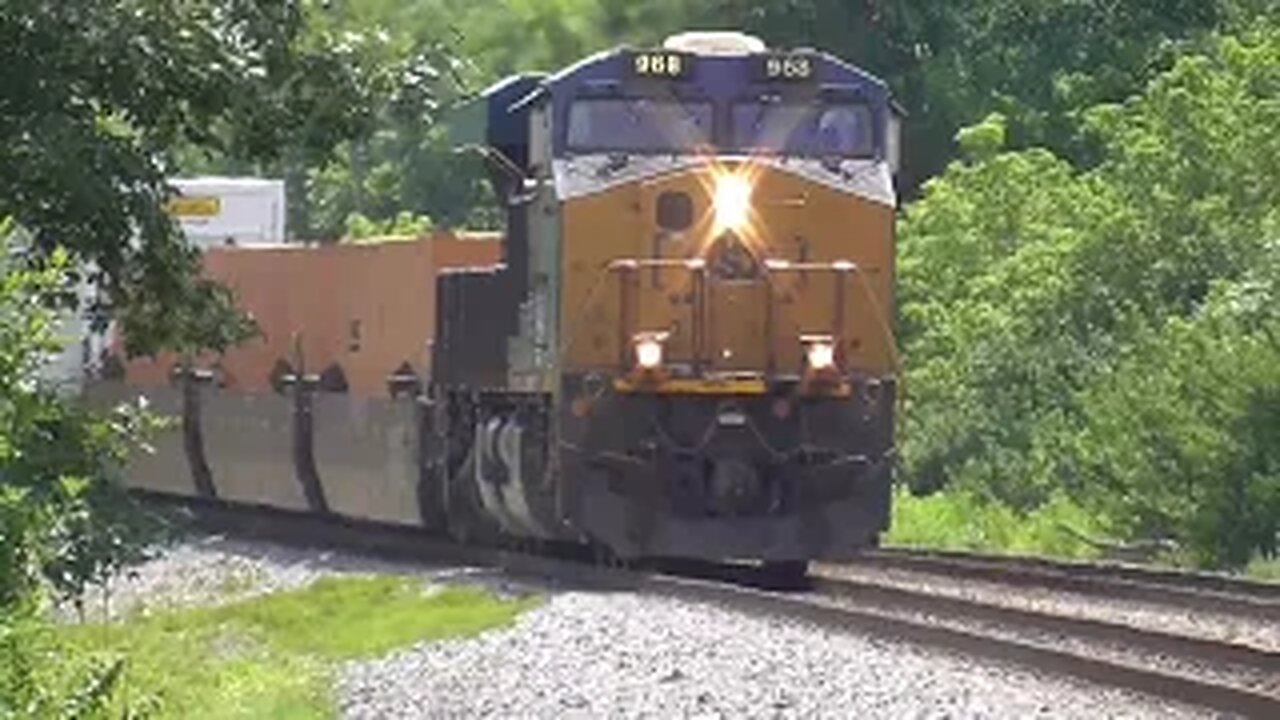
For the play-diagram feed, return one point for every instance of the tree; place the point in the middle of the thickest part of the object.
(1029, 285)
(65, 519)
(59, 465)
(1037, 63)
(1182, 439)
(95, 98)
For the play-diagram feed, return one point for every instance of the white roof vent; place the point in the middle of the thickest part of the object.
(715, 43)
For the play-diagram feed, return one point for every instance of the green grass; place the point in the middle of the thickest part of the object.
(1267, 569)
(957, 520)
(273, 656)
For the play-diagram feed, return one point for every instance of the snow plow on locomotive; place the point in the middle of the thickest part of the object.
(687, 347)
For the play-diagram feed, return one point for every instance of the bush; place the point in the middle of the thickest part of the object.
(361, 229)
(1182, 440)
(44, 675)
(1099, 334)
(65, 519)
(962, 520)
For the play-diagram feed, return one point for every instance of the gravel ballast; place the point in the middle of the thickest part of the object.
(622, 654)
(593, 655)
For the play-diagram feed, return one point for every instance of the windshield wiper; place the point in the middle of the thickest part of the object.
(690, 117)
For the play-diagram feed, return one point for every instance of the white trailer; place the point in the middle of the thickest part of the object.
(217, 211)
(212, 211)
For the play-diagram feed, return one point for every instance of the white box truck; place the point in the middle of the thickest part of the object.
(230, 211)
(213, 211)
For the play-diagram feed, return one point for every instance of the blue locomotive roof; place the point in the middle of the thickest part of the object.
(717, 83)
(714, 76)
(499, 118)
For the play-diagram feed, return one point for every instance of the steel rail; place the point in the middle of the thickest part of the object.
(1195, 591)
(1198, 649)
(414, 545)
(1210, 581)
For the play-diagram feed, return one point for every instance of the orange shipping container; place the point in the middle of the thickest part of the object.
(366, 308)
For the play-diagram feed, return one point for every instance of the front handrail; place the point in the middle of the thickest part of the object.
(633, 267)
(698, 268)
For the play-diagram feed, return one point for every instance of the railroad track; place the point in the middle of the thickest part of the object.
(1233, 679)
(1228, 677)
(1194, 591)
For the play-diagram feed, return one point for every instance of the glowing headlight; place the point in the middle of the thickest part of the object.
(733, 202)
(821, 353)
(649, 354)
(649, 350)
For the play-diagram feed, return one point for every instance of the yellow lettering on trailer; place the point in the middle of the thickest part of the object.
(195, 206)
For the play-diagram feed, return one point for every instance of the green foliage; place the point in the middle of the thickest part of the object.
(398, 162)
(65, 521)
(275, 655)
(42, 676)
(1182, 439)
(962, 520)
(999, 314)
(63, 515)
(984, 140)
(404, 225)
(94, 98)
(1102, 332)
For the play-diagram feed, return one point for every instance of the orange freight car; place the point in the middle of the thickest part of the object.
(360, 312)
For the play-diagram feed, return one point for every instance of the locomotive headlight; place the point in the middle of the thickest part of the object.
(822, 356)
(820, 351)
(650, 349)
(732, 202)
(649, 354)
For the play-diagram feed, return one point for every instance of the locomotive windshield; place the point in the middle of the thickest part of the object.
(639, 125)
(806, 129)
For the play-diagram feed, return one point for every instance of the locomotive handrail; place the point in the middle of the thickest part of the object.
(693, 264)
(846, 266)
(843, 266)
(698, 267)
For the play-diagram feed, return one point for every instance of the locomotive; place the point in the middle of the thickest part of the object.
(686, 348)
